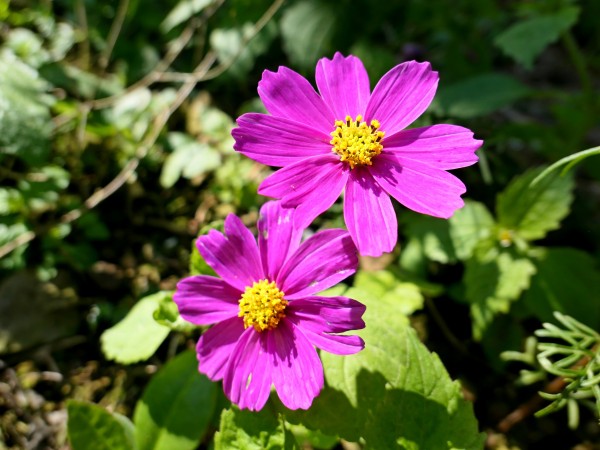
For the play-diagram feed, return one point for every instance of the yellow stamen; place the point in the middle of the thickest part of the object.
(262, 305)
(356, 142)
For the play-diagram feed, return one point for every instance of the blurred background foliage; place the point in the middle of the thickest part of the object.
(115, 152)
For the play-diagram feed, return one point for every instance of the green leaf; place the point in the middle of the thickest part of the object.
(433, 234)
(16, 258)
(526, 40)
(137, 336)
(167, 314)
(493, 281)
(189, 159)
(232, 46)
(11, 201)
(478, 96)
(312, 438)
(42, 191)
(384, 285)
(184, 10)
(91, 427)
(468, 226)
(566, 281)
(394, 393)
(306, 29)
(176, 407)
(25, 123)
(245, 430)
(533, 211)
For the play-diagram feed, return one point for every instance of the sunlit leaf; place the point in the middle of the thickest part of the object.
(138, 335)
(383, 284)
(246, 430)
(182, 12)
(468, 226)
(493, 281)
(533, 211)
(91, 427)
(394, 393)
(176, 407)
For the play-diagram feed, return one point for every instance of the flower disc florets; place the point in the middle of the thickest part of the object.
(262, 305)
(356, 142)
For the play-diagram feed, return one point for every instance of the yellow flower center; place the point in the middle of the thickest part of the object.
(356, 142)
(262, 305)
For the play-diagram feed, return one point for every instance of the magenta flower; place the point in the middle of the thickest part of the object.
(268, 321)
(349, 138)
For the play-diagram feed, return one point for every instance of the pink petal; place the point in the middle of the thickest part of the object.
(419, 187)
(277, 141)
(277, 236)
(247, 380)
(326, 314)
(234, 256)
(338, 344)
(324, 259)
(369, 214)
(288, 94)
(344, 84)
(296, 368)
(439, 146)
(215, 346)
(311, 185)
(402, 95)
(205, 300)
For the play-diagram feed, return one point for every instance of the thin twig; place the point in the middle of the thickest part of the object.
(199, 74)
(113, 34)
(173, 52)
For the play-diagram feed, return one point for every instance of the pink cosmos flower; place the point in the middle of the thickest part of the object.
(268, 320)
(349, 138)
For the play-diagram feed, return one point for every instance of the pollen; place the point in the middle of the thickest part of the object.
(262, 305)
(357, 142)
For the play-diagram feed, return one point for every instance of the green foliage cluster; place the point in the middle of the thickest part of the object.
(115, 152)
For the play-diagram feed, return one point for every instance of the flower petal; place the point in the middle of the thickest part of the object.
(344, 85)
(326, 314)
(402, 95)
(277, 236)
(369, 214)
(440, 146)
(311, 185)
(247, 380)
(419, 187)
(234, 256)
(277, 141)
(324, 259)
(288, 94)
(338, 344)
(296, 368)
(215, 346)
(205, 300)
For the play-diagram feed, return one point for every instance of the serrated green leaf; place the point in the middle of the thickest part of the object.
(566, 281)
(394, 393)
(468, 226)
(25, 123)
(189, 159)
(306, 28)
(91, 427)
(533, 211)
(526, 40)
(493, 281)
(245, 430)
(384, 285)
(138, 335)
(434, 237)
(176, 407)
(479, 95)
